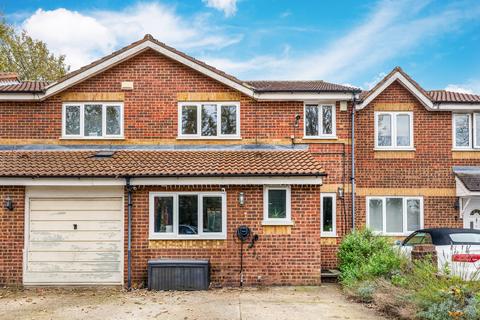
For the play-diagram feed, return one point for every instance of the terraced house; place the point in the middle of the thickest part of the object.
(149, 153)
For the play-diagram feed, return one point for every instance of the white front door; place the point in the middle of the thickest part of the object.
(471, 214)
(74, 239)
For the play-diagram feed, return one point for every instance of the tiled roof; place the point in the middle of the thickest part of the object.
(302, 86)
(267, 86)
(158, 163)
(471, 181)
(24, 86)
(436, 96)
(454, 97)
(470, 177)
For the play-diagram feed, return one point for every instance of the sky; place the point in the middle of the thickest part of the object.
(348, 42)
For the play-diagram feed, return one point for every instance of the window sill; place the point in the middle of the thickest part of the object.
(320, 137)
(210, 138)
(277, 223)
(394, 149)
(92, 138)
(466, 150)
(186, 238)
(328, 235)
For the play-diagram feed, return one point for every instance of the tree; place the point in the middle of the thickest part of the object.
(27, 57)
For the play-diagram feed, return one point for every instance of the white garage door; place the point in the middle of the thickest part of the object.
(74, 241)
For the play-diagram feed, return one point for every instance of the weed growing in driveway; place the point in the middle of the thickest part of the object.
(372, 271)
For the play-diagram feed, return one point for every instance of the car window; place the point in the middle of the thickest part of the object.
(465, 237)
(419, 238)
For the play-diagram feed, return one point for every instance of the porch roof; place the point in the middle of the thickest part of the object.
(141, 163)
(469, 177)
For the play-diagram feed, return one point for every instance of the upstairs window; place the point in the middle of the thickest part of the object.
(393, 130)
(92, 120)
(466, 130)
(209, 120)
(319, 121)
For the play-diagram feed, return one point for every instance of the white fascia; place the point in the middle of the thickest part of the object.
(407, 84)
(163, 181)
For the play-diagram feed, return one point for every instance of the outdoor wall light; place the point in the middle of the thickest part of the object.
(340, 192)
(241, 198)
(8, 203)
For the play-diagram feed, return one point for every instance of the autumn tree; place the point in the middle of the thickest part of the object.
(28, 57)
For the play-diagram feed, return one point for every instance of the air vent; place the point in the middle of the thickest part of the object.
(104, 154)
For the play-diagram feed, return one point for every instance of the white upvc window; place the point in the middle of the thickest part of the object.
(396, 216)
(209, 120)
(328, 209)
(277, 205)
(92, 120)
(466, 130)
(188, 215)
(319, 121)
(394, 130)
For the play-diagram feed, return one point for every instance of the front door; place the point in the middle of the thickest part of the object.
(471, 214)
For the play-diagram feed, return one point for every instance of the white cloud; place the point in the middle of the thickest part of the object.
(80, 38)
(386, 33)
(229, 7)
(85, 36)
(472, 87)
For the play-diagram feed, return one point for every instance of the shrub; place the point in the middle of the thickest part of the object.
(364, 256)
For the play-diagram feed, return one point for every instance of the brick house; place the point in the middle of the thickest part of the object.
(149, 153)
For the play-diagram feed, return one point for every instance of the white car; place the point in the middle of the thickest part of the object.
(458, 250)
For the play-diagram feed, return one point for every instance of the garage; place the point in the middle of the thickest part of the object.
(74, 237)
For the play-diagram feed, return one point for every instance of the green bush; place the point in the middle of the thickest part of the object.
(364, 256)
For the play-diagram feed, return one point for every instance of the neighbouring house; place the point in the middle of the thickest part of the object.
(149, 153)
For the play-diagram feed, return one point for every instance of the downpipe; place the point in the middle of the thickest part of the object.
(352, 153)
(129, 247)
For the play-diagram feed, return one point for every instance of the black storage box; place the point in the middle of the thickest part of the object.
(165, 274)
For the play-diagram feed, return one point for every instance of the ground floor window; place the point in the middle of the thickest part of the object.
(394, 215)
(187, 215)
(276, 205)
(328, 216)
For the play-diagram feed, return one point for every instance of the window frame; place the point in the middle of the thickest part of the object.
(199, 104)
(288, 199)
(82, 105)
(175, 235)
(473, 144)
(332, 233)
(405, 231)
(393, 115)
(320, 105)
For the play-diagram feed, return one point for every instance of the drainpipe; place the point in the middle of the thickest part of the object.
(129, 250)
(352, 178)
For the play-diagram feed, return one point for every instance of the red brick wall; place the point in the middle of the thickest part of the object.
(151, 108)
(11, 236)
(275, 259)
(431, 166)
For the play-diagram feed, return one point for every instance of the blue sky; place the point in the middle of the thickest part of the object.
(350, 42)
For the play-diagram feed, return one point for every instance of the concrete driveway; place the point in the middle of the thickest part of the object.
(305, 303)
